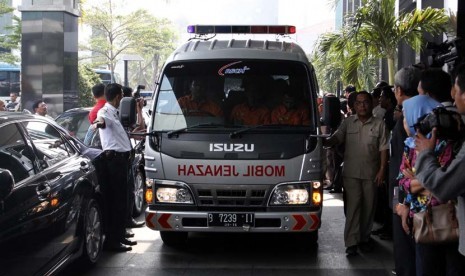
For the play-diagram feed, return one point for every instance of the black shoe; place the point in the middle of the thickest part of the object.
(366, 246)
(129, 234)
(335, 191)
(136, 224)
(118, 247)
(351, 250)
(128, 242)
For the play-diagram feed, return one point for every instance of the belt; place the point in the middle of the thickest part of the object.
(112, 153)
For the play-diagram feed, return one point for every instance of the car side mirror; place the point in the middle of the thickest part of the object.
(331, 112)
(8, 182)
(127, 112)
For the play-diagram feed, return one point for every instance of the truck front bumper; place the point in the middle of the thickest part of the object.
(263, 222)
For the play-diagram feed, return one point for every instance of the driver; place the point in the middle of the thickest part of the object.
(197, 103)
(252, 112)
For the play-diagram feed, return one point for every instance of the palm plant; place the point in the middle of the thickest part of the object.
(337, 58)
(379, 30)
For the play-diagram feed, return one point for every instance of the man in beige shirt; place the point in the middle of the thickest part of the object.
(365, 160)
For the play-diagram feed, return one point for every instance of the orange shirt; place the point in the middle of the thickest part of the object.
(246, 115)
(298, 116)
(196, 108)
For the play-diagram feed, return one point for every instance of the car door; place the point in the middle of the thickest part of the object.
(22, 225)
(63, 168)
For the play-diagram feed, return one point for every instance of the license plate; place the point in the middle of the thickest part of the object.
(231, 219)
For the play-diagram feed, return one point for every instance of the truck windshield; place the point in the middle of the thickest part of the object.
(235, 93)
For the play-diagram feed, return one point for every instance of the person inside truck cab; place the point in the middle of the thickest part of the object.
(252, 111)
(197, 103)
(290, 112)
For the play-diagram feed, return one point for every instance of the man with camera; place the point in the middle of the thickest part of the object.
(445, 183)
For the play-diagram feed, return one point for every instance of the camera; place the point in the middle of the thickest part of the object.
(448, 123)
(136, 95)
(448, 52)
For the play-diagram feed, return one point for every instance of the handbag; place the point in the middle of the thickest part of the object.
(437, 224)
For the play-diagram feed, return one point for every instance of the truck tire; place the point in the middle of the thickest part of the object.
(313, 237)
(174, 239)
(307, 237)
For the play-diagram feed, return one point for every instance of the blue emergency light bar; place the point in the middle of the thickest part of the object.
(244, 29)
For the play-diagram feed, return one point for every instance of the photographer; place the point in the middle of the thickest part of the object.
(432, 259)
(445, 183)
(140, 103)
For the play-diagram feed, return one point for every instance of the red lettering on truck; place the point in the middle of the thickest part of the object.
(230, 170)
(207, 170)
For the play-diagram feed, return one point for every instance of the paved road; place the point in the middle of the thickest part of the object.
(248, 254)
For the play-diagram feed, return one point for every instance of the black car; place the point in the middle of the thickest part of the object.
(76, 122)
(51, 210)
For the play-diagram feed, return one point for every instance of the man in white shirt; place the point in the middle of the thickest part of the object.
(116, 154)
(13, 105)
(40, 108)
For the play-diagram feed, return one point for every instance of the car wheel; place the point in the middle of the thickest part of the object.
(93, 233)
(139, 191)
(174, 239)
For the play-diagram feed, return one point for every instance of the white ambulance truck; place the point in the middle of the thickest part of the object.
(234, 141)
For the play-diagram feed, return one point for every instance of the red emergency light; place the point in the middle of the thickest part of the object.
(241, 29)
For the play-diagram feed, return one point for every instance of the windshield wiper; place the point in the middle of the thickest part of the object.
(177, 131)
(235, 134)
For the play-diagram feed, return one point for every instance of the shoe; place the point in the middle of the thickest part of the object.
(335, 191)
(351, 250)
(118, 247)
(129, 234)
(136, 224)
(366, 246)
(128, 242)
(393, 272)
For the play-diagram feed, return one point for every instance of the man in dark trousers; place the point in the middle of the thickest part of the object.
(116, 165)
(365, 160)
(405, 86)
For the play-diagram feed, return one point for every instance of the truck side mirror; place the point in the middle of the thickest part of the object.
(331, 112)
(8, 182)
(127, 112)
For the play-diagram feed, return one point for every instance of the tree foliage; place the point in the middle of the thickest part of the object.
(116, 32)
(11, 36)
(337, 60)
(157, 45)
(376, 33)
(86, 80)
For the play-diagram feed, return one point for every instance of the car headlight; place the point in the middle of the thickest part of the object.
(290, 194)
(177, 193)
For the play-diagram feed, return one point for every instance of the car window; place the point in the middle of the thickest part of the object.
(51, 147)
(15, 154)
(76, 124)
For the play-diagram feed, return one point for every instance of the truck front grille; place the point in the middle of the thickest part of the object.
(231, 196)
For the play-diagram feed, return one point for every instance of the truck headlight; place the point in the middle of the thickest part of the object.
(177, 193)
(290, 194)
